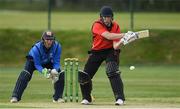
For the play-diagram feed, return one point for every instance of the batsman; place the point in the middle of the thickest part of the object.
(106, 42)
(44, 56)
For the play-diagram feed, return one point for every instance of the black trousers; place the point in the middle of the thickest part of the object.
(97, 57)
(93, 63)
(26, 75)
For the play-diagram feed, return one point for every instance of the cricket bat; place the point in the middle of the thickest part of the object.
(142, 34)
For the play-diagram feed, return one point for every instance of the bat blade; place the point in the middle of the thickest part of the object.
(142, 34)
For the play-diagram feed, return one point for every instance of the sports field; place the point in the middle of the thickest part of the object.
(148, 86)
(145, 87)
(83, 20)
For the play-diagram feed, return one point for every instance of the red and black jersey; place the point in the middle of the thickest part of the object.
(99, 42)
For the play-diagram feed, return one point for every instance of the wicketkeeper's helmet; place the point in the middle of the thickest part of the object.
(106, 11)
(48, 35)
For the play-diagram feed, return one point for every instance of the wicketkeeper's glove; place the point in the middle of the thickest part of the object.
(45, 72)
(54, 75)
(129, 37)
(51, 74)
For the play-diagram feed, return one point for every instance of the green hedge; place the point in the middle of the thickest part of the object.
(161, 48)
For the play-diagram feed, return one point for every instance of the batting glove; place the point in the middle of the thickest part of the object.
(129, 37)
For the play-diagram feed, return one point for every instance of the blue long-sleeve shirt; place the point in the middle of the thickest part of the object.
(42, 56)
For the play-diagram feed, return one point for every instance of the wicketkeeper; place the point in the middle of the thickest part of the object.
(44, 56)
(105, 47)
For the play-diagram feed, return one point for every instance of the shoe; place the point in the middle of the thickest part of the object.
(60, 100)
(119, 102)
(14, 100)
(85, 102)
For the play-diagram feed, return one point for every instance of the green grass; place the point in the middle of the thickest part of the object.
(19, 30)
(83, 20)
(146, 86)
(162, 47)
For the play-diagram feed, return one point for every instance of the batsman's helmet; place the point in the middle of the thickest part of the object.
(48, 35)
(106, 11)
